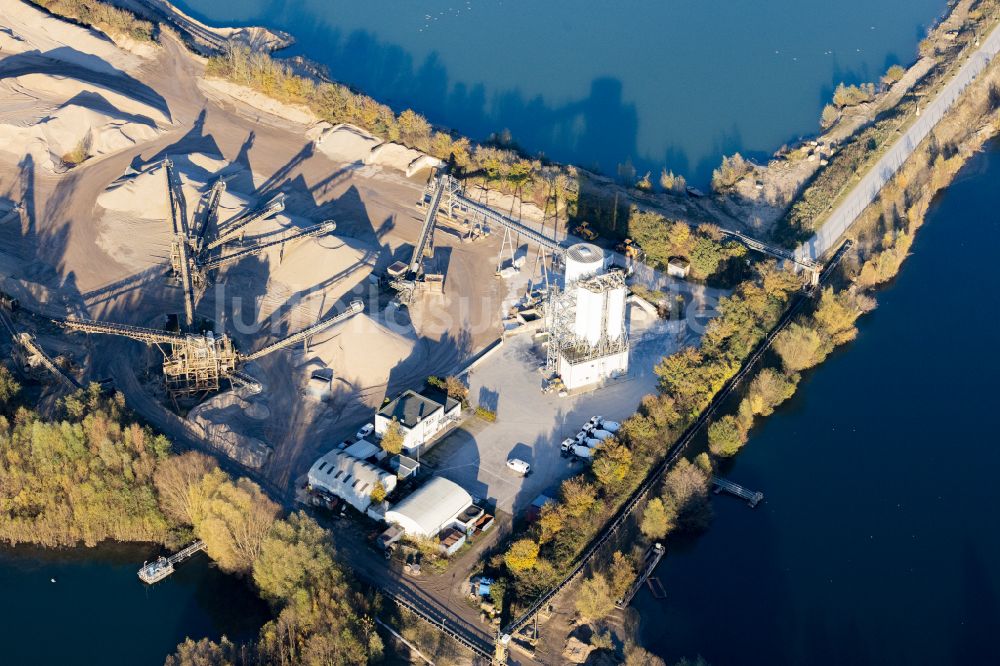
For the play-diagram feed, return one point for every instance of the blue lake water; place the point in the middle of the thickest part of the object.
(98, 611)
(675, 82)
(877, 542)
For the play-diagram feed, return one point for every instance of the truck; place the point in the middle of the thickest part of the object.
(582, 452)
(600, 434)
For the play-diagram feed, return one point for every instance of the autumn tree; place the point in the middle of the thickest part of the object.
(769, 389)
(837, 312)
(204, 653)
(686, 488)
(235, 520)
(729, 172)
(612, 464)
(393, 437)
(639, 656)
(378, 493)
(522, 555)
(578, 496)
(456, 389)
(178, 482)
(9, 388)
(296, 550)
(799, 347)
(550, 521)
(657, 519)
(622, 574)
(725, 438)
(594, 600)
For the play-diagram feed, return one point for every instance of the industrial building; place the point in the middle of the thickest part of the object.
(349, 478)
(435, 506)
(420, 417)
(588, 340)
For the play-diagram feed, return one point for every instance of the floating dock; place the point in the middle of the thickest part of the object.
(157, 570)
(753, 498)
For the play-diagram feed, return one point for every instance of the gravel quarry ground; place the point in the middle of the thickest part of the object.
(93, 240)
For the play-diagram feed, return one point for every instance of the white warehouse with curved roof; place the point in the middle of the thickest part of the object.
(431, 508)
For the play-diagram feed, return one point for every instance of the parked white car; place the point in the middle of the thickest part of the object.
(366, 430)
(519, 466)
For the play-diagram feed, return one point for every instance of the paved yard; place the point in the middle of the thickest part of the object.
(531, 425)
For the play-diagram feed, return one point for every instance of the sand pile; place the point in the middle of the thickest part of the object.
(60, 89)
(144, 195)
(28, 28)
(363, 352)
(344, 143)
(72, 133)
(393, 155)
(60, 121)
(135, 225)
(326, 265)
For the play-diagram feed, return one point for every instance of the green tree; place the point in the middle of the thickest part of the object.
(393, 437)
(594, 600)
(837, 312)
(725, 437)
(522, 555)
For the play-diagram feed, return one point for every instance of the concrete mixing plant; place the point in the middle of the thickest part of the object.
(588, 342)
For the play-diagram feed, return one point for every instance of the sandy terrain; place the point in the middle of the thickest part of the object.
(94, 240)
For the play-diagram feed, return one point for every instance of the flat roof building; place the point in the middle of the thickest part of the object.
(349, 478)
(431, 508)
(420, 417)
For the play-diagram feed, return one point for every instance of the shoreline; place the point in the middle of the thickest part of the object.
(911, 158)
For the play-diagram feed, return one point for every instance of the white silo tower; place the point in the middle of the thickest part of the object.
(584, 260)
(588, 341)
(590, 308)
(615, 312)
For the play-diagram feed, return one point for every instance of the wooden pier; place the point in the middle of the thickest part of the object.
(753, 498)
(649, 562)
(157, 570)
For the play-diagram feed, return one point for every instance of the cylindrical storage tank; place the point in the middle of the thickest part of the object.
(583, 260)
(616, 313)
(589, 314)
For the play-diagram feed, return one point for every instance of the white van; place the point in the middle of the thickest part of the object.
(519, 466)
